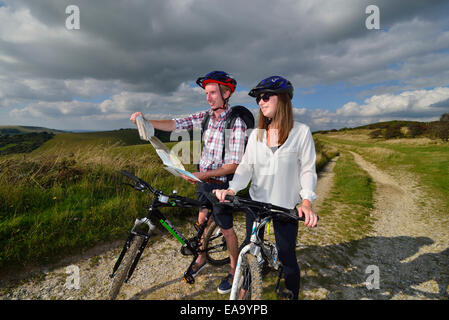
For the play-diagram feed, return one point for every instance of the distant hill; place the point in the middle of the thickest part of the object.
(402, 129)
(25, 139)
(14, 130)
(23, 143)
(388, 124)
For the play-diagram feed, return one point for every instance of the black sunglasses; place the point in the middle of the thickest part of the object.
(265, 97)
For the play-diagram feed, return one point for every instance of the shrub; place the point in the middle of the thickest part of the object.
(393, 132)
(375, 134)
(444, 117)
(439, 130)
(416, 129)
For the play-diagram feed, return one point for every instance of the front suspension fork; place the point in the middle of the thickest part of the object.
(127, 245)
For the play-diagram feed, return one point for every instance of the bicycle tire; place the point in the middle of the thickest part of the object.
(124, 267)
(249, 263)
(220, 255)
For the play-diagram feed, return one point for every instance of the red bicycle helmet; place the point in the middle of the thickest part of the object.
(219, 77)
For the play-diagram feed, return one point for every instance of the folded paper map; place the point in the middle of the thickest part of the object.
(172, 162)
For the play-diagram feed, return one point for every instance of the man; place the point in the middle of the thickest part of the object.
(213, 168)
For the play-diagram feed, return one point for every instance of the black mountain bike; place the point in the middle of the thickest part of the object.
(259, 256)
(213, 244)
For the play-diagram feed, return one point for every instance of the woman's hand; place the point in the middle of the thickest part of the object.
(310, 217)
(134, 116)
(222, 193)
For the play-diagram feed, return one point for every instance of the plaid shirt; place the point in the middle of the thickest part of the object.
(213, 137)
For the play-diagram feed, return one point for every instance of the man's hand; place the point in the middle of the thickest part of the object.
(200, 175)
(134, 116)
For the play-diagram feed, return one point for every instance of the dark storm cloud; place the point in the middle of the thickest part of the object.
(142, 54)
(159, 44)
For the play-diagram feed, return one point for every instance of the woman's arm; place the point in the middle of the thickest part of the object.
(308, 180)
(307, 173)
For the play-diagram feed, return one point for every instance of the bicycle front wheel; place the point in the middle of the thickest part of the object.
(249, 283)
(122, 271)
(215, 246)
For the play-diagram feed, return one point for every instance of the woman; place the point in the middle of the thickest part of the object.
(280, 161)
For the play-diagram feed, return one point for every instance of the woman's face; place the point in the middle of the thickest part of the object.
(268, 107)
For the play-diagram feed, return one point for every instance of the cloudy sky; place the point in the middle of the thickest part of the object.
(141, 55)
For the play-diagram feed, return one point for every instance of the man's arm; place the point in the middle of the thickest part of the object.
(222, 171)
(164, 125)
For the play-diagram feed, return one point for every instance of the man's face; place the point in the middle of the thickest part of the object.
(213, 96)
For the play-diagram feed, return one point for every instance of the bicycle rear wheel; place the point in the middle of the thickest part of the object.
(249, 284)
(215, 246)
(122, 271)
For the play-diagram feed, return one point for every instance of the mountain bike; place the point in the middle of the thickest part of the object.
(213, 244)
(259, 255)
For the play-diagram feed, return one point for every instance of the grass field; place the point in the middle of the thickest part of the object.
(67, 196)
(427, 160)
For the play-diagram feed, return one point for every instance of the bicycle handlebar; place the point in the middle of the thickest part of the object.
(141, 185)
(238, 202)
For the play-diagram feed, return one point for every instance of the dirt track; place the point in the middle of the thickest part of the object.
(409, 244)
(408, 248)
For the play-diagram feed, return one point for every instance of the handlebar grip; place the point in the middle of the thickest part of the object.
(294, 215)
(214, 200)
(139, 182)
(303, 218)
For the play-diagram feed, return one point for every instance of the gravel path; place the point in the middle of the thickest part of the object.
(409, 244)
(408, 248)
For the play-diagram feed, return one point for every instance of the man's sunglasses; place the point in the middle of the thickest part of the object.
(265, 97)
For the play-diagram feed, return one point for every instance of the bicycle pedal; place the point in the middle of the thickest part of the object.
(189, 279)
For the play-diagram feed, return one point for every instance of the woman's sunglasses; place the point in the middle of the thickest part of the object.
(265, 97)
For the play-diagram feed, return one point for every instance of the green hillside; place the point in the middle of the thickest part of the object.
(68, 195)
(72, 142)
(23, 143)
(13, 130)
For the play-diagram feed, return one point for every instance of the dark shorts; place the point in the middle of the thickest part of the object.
(222, 215)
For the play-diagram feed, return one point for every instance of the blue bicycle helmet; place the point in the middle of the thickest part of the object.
(275, 84)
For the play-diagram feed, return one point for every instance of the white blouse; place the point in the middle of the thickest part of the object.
(283, 178)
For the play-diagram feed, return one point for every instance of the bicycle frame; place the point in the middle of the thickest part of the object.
(257, 248)
(153, 212)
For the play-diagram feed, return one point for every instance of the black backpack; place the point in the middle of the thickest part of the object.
(236, 112)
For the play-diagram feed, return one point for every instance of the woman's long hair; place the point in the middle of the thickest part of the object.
(282, 120)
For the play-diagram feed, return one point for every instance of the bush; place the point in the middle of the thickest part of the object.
(375, 134)
(416, 129)
(440, 130)
(393, 132)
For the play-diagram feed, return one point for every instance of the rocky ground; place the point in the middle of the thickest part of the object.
(406, 256)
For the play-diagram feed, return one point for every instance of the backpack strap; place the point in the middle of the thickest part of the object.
(236, 112)
(204, 125)
(247, 117)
